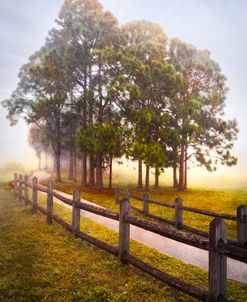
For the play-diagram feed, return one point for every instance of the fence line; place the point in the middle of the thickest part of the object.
(240, 217)
(217, 245)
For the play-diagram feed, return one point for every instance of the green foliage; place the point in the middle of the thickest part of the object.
(124, 90)
(107, 139)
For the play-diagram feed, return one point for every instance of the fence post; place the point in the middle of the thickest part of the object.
(49, 202)
(217, 274)
(145, 203)
(26, 190)
(35, 195)
(20, 187)
(117, 193)
(124, 230)
(242, 224)
(15, 184)
(76, 211)
(178, 213)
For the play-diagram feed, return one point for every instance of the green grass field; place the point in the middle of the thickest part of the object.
(46, 263)
(219, 200)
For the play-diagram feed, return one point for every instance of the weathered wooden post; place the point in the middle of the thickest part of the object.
(35, 195)
(26, 190)
(145, 203)
(124, 230)
(15, 184)
(242, 224)
(117, 194)
(76, 211)
(217, 274)
(20, 187)
(49, 202)
(179, 213)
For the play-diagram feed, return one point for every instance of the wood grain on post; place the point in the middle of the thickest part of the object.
(15, 184)
(49, 202)
(145, 203)
(76, 215)
(35, 195)
(178, 213)
(217, 262)
(117, 193)
(20, 187)
(242, 224)
(124, 230)
(26, 191)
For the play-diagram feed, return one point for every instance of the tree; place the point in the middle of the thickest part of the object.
(146, 42)
(87, 31)
(198, 110)
(155, 80)
(106, 91)
(41, 95)
(38, 141)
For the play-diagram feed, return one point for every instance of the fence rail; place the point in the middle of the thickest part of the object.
(240, 217)
(217, 245)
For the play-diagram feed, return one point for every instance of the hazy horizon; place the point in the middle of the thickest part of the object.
(219, 26)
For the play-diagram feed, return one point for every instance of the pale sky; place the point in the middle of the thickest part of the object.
(219, 26)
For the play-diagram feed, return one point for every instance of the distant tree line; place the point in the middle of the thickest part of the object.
(97, 91)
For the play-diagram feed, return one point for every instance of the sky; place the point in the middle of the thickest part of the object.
(219, 26)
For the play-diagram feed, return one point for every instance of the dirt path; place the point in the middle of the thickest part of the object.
(235, 270)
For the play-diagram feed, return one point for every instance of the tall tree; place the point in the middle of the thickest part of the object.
(40, 96)
(198, 110)
(87, 30)
(146, 42)
(156, 82)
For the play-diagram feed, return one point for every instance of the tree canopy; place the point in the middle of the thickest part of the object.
(98, 90)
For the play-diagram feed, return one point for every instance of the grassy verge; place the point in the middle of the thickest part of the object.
(45, 263)
(221, 200)
(6, 176)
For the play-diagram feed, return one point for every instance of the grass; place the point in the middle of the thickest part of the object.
(219, 200)
(46, 263)
(6, 176)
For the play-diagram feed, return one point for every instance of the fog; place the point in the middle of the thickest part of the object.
(220, 26)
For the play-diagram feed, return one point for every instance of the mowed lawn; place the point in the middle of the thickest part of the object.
(45, 263)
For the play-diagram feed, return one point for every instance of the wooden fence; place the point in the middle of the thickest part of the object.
(217, 245)
(240, 217)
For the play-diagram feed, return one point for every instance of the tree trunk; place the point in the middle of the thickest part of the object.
(75, 162)
(140, 183)
(84, 170)
(175, 178)
(90, 121)
(58, 166)
(185, 169)
(99, 181)
(91, 171)
(147, 178)
(57, 146)
(110, 173)
(181, 185)
(157, 173)
(100, 118)
(71, 165)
